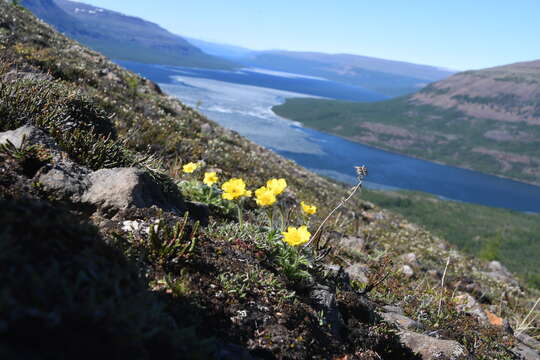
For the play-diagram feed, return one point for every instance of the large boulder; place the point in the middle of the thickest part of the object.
(111, 190)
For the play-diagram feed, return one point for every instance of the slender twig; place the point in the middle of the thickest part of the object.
(370, 287)
(442, 286)
(444, 273)
(319, 229)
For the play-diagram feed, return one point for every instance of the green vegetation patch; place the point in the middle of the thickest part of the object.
(443, 135)
(490, 233)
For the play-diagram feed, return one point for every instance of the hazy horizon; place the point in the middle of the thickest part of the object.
(458, 35)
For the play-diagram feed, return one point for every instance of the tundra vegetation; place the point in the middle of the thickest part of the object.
(120, 238)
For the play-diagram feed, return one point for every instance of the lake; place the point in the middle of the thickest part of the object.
(241, 100)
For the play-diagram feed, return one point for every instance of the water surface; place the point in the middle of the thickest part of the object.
(242, 101)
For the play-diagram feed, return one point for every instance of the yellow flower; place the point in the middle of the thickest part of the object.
(264, 196)
(276, 185)
(308, 209)
(234, 188)
(296, 236)
(190, 167)
(210, 178)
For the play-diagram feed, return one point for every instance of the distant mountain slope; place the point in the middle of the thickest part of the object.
(388, 77)
(121, 37)
(227, 51)
(348, 64)
(487, 120)
(509, 93)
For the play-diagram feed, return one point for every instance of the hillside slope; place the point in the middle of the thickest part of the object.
(486, 120)
(121, 37)
(112, 249)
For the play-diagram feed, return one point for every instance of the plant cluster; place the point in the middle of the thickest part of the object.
(29, 158)
(235, 191)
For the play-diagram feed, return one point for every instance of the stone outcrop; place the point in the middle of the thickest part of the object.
(110, 190)
(499, 272)
(431, 348)
(105, 191)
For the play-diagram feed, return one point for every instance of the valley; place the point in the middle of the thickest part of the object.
(485, 120)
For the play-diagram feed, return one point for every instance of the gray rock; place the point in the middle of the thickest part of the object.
(431, 348)
(337, 275)
(393, 309)
(529, 341)
(469, 305)
(198, 211)
(409, 259)
(358, 272)
(407, 271)
(353, 242)
(206, 129)
(500, 273)
(32, 134)
(65, 180)
(402, 321)
(526, 353)
(105, 190)
(111, 190)
(324, 299)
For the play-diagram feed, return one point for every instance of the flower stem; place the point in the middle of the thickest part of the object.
(343, 201)
(270, 214)
(281, 212)
(240, 217)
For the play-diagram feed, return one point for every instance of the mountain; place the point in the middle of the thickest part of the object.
(120, 36)
(226, 51)
(130, 38)
(487, 120)
(509, 93)
(112, 249)
(387, 77)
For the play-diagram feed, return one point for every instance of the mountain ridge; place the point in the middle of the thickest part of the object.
(131, 38)
(389, 77)
(486, 120)
(121, 36)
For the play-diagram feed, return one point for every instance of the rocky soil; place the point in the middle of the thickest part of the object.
(110, 251)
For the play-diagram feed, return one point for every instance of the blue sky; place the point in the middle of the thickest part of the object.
(457, 34)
